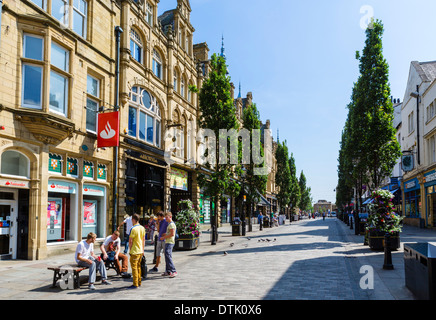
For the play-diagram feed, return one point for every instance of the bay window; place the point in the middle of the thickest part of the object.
(33, 52)
(33, 76)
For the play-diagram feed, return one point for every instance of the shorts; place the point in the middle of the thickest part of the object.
(160, 247)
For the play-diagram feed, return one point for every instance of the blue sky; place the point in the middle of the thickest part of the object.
(298, 60)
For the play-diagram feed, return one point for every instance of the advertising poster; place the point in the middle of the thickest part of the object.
(89, 213)
(179, 179)
(54, 213)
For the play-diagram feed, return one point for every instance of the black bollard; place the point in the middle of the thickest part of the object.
(156, 238)
(388, 254)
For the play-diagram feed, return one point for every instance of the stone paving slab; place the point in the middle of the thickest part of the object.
(305, 260)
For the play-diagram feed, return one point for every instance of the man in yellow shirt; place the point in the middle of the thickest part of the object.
(136, 245)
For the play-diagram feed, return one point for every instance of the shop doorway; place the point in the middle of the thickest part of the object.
(8, 224)
(431, 210)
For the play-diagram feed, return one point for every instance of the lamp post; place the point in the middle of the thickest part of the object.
(118, 31)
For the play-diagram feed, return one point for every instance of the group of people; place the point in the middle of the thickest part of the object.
(111, 249)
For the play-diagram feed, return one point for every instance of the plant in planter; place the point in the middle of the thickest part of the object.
(382, 220)
(188, 226)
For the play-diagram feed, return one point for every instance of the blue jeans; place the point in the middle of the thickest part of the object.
(169, 265)
(96, 265)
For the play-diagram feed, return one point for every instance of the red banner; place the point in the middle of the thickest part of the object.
(108, 130)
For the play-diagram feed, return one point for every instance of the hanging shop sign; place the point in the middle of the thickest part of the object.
(108, 130)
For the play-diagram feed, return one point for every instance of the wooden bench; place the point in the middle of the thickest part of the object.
(63, 270)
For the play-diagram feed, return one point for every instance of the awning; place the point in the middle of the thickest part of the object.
(263, 202)
(368, 201)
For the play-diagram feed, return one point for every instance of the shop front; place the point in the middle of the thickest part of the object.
(14, 205)
(62, 211)
(94, 209)
(430, 196)
(180, 186)
(144, 185)
(412, 202)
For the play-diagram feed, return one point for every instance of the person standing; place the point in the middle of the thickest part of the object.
(160, 244)
(170, 241)
(136, 245)
(85, 257)
(129, 225)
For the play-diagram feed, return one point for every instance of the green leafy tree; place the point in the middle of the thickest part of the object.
(294, 192)
(373, 95)
(217, 112)
(283, 174)
(255, 184)
(305, 199)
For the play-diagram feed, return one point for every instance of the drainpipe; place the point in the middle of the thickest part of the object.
(1, 13)
(118, 32)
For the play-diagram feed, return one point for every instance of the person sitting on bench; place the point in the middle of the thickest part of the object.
(111, 249)
(85, 257)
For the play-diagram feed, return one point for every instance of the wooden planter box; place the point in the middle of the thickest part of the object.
(187, 242)
(376, 241)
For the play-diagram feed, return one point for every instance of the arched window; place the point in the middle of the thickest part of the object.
(14, 163)
(144, 117)
(135, 45)
(157, 64)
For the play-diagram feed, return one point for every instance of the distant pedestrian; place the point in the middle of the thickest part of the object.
(170, 241)
(129, 225)
(136, 245)
(323, 216)
(160, 244)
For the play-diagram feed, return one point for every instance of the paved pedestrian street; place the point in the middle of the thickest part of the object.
(305, 260)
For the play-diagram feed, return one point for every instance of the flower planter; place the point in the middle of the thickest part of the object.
(187, 242)
(376, 240)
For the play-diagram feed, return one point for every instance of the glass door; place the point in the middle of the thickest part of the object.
(8, 225)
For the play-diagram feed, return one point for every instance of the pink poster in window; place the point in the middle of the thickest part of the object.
(89, 212)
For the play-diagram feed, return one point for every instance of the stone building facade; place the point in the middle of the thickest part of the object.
(58, 68)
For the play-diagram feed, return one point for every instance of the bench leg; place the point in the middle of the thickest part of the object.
(56, 277)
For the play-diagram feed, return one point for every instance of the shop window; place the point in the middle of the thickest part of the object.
(93, 210)
(62, 211)
(15, 164)
(55, 163)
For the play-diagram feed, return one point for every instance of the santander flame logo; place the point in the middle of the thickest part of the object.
(108, 129)
(108, 132)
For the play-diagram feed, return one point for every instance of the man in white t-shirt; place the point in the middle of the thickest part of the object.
(129, 225)
(85, 257)
(110, 249)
